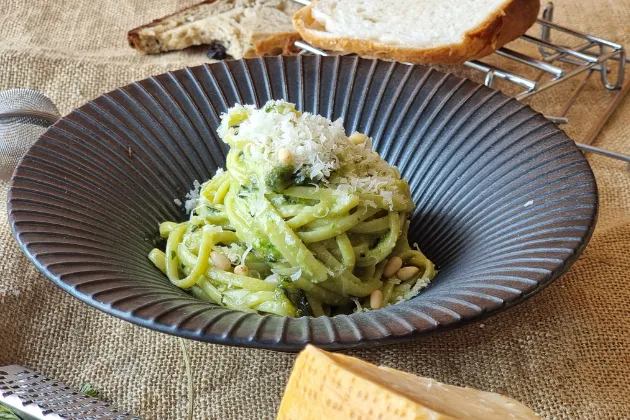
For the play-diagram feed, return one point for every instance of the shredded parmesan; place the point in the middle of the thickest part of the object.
(192, 197)
(234, 253)
(388, 197)
(272, 279)
(359, 308)
(247, 251)
(320, 149)
(296, 276)
(314, 141)
(413, 291)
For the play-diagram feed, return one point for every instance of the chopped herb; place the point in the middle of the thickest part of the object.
(284, 280)
(298, 298)
(211, 209)
(194, 228)
(295, 200)
(182, 266)
(377, 241)
(90, 390)
(300, 179)
(245, 190)
(280, 178)
(266, 250)
(173, 255)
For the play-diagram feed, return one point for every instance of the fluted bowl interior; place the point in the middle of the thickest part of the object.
(505, 201)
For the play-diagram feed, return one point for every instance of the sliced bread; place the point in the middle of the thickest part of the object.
(239, 28)
(416, 31)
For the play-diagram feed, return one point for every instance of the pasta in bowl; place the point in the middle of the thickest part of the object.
(503, 202)
(305, 221)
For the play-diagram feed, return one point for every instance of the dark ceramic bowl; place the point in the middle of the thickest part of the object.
(505, 201)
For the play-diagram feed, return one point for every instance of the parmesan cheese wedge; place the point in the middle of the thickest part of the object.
(333, 386)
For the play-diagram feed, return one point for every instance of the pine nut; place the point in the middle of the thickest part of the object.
(392, 267)
(241, 270)
(220, 261)
(376, 299)
(406, 273)
(284, 156)
(357, 138)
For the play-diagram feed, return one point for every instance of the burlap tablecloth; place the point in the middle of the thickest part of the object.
(565, 352)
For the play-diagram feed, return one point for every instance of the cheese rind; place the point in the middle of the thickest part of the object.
(328, 385)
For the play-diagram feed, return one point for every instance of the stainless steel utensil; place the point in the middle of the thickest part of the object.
(24, 116)
(32, 397)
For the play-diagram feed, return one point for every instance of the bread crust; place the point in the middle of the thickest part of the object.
(134, 37)
(262, 43)
(504, 25)
(279, 43)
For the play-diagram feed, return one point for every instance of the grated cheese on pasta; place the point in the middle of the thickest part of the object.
(320, 149)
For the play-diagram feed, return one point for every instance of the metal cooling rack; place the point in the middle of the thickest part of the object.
(32, 397)
(590, 55)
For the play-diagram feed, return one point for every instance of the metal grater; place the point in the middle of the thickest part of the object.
(33, 396)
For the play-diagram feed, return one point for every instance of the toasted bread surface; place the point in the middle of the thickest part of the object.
(502, 25)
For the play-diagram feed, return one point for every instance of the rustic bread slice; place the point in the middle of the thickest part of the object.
(416, 31)
(240, 28)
